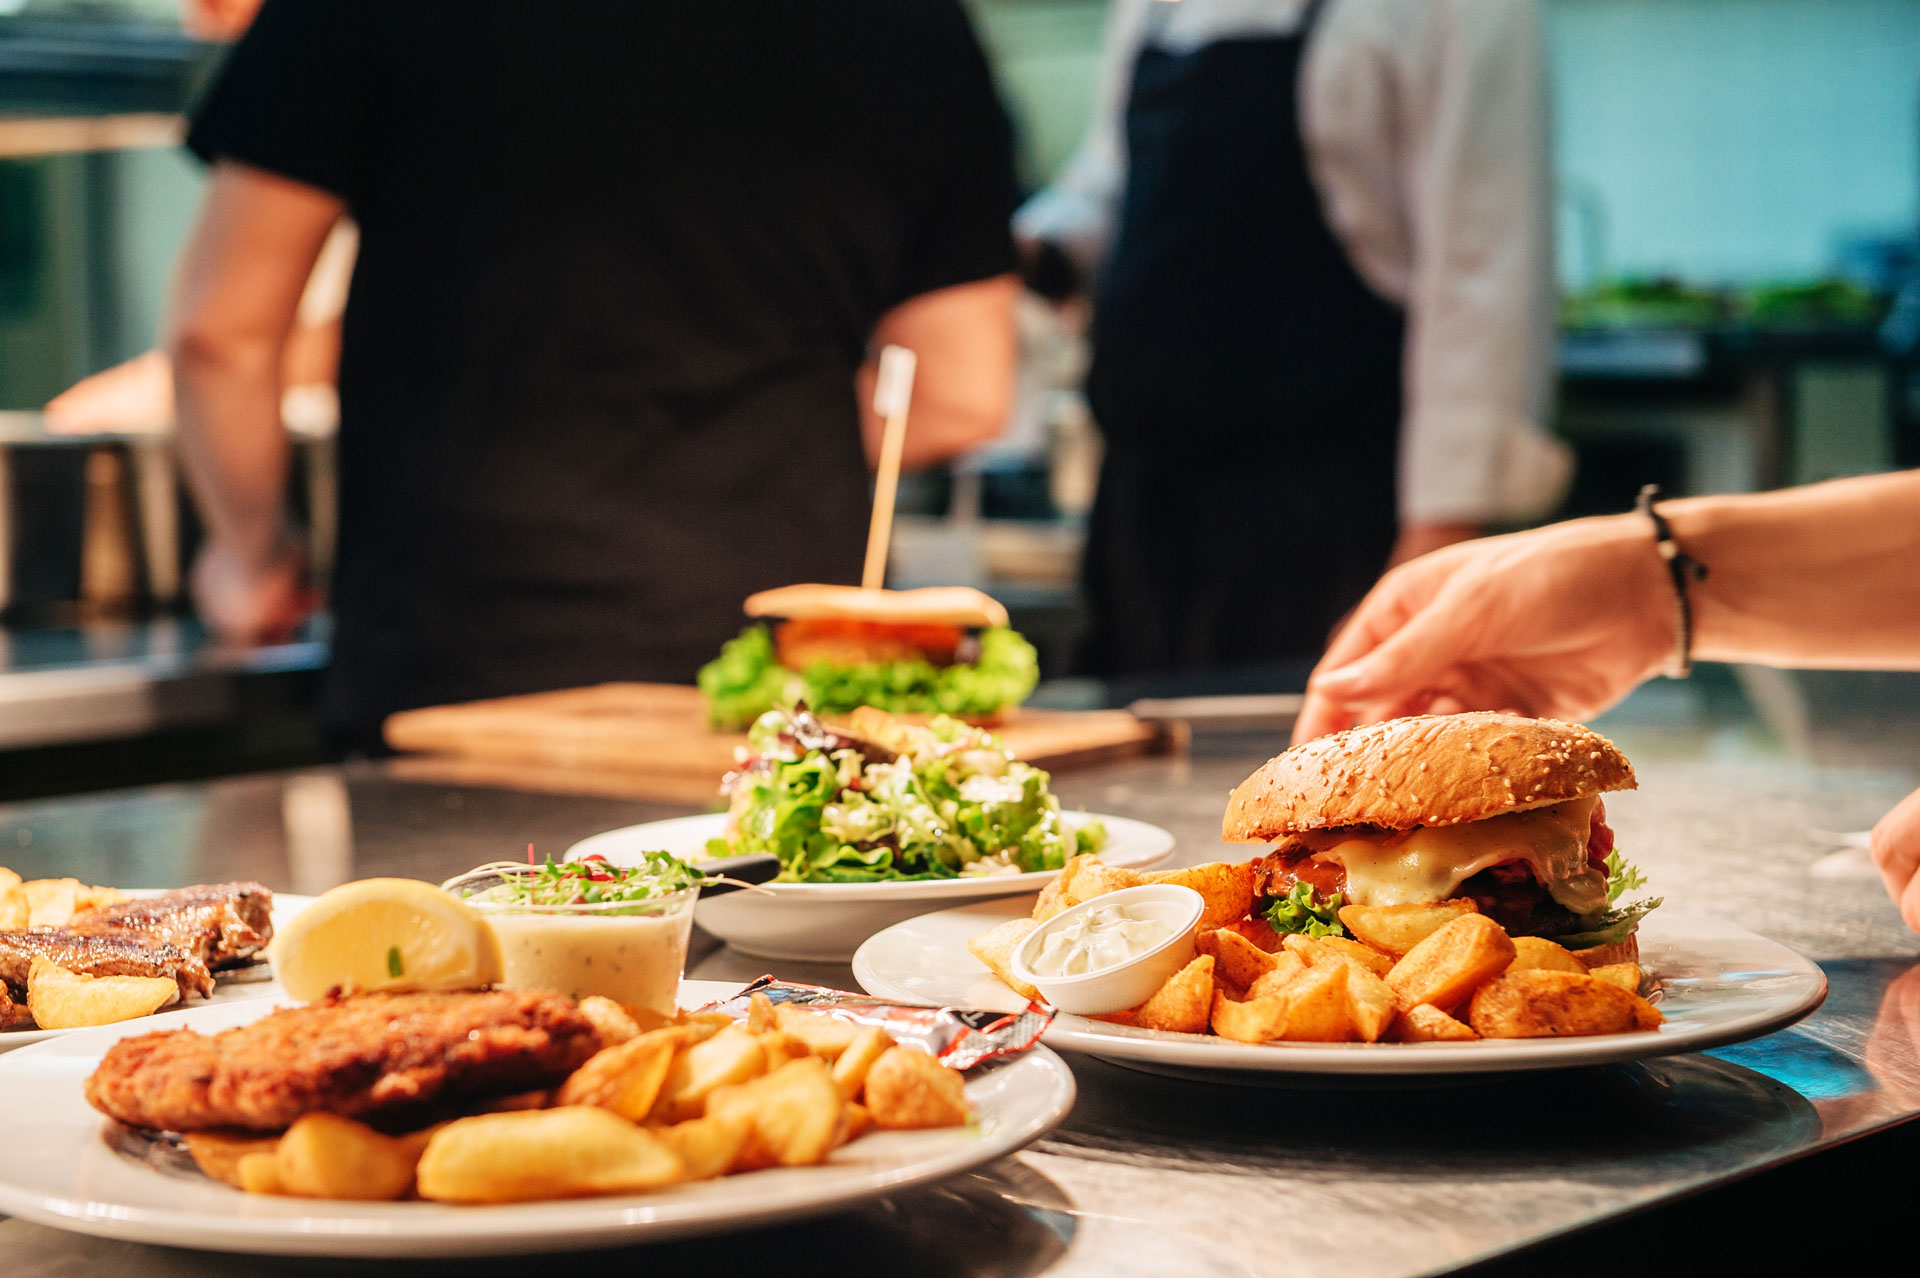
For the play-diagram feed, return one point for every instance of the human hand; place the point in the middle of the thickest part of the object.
(1416, 540)
(247, 598)
(1896, 850)
(1562, 621)
(128, 398)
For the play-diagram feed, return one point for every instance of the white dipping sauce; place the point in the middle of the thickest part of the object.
(1103, 937)
(629, 958)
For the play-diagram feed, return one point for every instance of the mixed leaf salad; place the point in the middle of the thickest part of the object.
(746, 680)
(884, 799)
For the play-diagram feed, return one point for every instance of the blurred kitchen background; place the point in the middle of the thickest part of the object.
(1738, 219)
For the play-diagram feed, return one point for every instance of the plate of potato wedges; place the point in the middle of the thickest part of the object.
(1435, 988)
(674, 1126)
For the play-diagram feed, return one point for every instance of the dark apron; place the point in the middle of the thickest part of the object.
(1245, 377)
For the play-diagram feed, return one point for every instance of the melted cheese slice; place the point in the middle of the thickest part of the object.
(1431, 862)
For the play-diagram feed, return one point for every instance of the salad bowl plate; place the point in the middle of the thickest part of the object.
(826, 922)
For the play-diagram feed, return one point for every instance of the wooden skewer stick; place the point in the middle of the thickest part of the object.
(892, 391)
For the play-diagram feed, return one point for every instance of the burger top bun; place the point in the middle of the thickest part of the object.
(1435, 769)
(929, 606)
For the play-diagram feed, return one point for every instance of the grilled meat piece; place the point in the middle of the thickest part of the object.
(221, 924)
(104, 955)
(358, 1056)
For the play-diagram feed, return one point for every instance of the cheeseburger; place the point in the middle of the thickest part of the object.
(1498, 809)
(940, 650)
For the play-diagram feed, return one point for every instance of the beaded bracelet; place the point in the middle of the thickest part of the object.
(1683, 568)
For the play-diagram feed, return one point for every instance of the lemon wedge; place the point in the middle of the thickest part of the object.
(385, 934)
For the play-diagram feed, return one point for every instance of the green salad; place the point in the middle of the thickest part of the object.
(746, 680)
(898, 801)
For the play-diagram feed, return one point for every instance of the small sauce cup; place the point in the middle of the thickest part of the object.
(1131, 981)
(631, 951)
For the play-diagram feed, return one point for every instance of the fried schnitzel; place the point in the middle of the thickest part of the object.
(357, 1056)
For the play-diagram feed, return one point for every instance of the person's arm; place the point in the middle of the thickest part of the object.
(963, 340)
(1566, 620)
(241, 276)
(1471, 139)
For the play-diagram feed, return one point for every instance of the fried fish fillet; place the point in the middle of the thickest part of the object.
(356, 1056)
(221, 924)
(108, 954)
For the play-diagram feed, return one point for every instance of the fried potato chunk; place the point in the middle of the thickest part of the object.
(1370, 1001)
(793, 1115)
(1319, 1008)
(1398, 928)
(1228, 888)
(1452, 962)
(1536, 953)
(1425, 1023)
(825, 1035)
(908, 1088)
(1627, 976)
(572, 1152)
(1338, 947)
(1094, 877)
(851, 1069)
(995, 948)
(1184, 1004)
(709, 1146)
(52, 902)
(326, 1156)
(1542, 1004)
(218, 1153)
(1253, 1020)
(626, 1078)
(59, 999)
(612, 1022)
(1236, 960)
(731, 1056)
(1057, 895)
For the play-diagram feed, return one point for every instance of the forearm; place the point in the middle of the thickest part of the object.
(1826, 575)
(232, 446)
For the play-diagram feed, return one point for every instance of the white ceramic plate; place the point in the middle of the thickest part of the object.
(242, 985)
(1721, 984)
(825, 922)
(64, 1165)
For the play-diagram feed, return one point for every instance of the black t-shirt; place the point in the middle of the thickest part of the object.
(619, 261)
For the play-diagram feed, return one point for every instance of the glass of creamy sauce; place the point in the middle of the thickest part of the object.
(1104, 936)
(623, 937)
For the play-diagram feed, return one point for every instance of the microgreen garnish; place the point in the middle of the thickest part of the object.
(395, 968)
(592, 880)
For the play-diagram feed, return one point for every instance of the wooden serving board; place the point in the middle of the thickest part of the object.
(651, 741)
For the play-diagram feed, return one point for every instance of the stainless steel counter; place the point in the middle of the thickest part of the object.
(1155, 1176)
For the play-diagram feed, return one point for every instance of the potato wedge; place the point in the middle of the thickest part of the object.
(1319, 1009)
(1446, 967)
(1370, 1001)
(1541, 1004)
(96, 897)
(1058, 895)
(709, 1146)
(825, 1035)
(1254, 1020)
(1184, 1004)
(1228, 888)
(793, 1114)
(908, 1088)
(731, 1056)
(1095, 877)
(1258, 931)
(759, 1014)
(626, 1078)
(1396, 929)
(995, 948)
(850, 1071)
(782, 1047)
(1536, 953)
(326, 1156)
(1627, 976)
(1286, 970)
(1425, 1023)
(571, 1152)
(218, 1153)
(858, 1122)
(614, 1023)
(1338, 947)
(1236, 960)
(259, 1173)
(52, 902)
(16, 912)
(59, 999)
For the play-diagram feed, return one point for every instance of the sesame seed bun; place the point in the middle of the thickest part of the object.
(1428, 770)
(929, 606)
